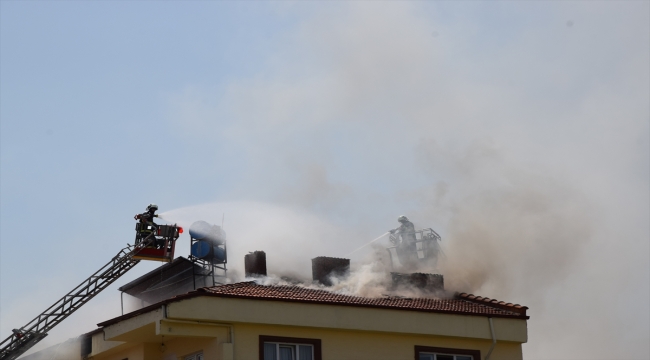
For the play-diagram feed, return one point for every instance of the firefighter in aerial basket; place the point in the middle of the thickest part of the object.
(406, 248)
(147, 226)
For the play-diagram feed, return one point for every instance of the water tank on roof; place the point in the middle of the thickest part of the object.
(208, 242)
(205, 250)
(212, 234)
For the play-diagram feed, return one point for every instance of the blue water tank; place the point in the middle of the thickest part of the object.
(205, 250)
(219, 253)
(201, 230)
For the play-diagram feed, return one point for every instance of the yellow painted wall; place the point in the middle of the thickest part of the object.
(174, 349)
(361, 345)
(181, 347)
(345, 318)
(336, 345)
(346, 333)
(99, 345)
(136, 352)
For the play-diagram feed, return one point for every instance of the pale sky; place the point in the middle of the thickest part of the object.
(518, 130)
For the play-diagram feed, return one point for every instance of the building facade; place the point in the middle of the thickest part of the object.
(276, 322)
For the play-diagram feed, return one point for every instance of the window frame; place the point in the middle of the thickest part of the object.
(316, 343)
(193, 355)
(475, 354)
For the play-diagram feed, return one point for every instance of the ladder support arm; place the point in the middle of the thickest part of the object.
(34, 331)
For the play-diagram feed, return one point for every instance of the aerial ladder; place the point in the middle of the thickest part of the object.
(158, 244)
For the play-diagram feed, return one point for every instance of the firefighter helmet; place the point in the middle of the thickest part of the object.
(402, 218)
(153, 207)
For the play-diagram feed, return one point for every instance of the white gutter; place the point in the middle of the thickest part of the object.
(494, 339)
(231, 329)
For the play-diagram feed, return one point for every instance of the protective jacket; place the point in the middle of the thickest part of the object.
(146, 219)
(407, 232)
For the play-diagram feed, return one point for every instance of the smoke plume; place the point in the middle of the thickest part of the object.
(527, 151)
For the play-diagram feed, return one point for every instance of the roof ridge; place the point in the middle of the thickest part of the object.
(289, 286)
(324, 290)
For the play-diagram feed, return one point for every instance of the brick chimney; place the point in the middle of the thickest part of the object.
(323, 268)
(255, 264)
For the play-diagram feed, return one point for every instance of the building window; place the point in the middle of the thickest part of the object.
(433, 356)
(196, 356)
(436, 353)
(285, 348)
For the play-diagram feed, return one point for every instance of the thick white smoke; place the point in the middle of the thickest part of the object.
(291, 239)
(519, 131)
(527, 150)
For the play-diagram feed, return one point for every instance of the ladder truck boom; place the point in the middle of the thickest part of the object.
(158, 245)
(27, 336)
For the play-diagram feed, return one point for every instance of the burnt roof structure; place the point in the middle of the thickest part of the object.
(323, 268)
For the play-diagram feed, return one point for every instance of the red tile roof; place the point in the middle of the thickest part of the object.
(460, 303)
(466, 304)
(493, 302)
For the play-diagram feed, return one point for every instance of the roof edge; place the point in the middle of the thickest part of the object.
(519, 309)
(515, 315)
(154, 306)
